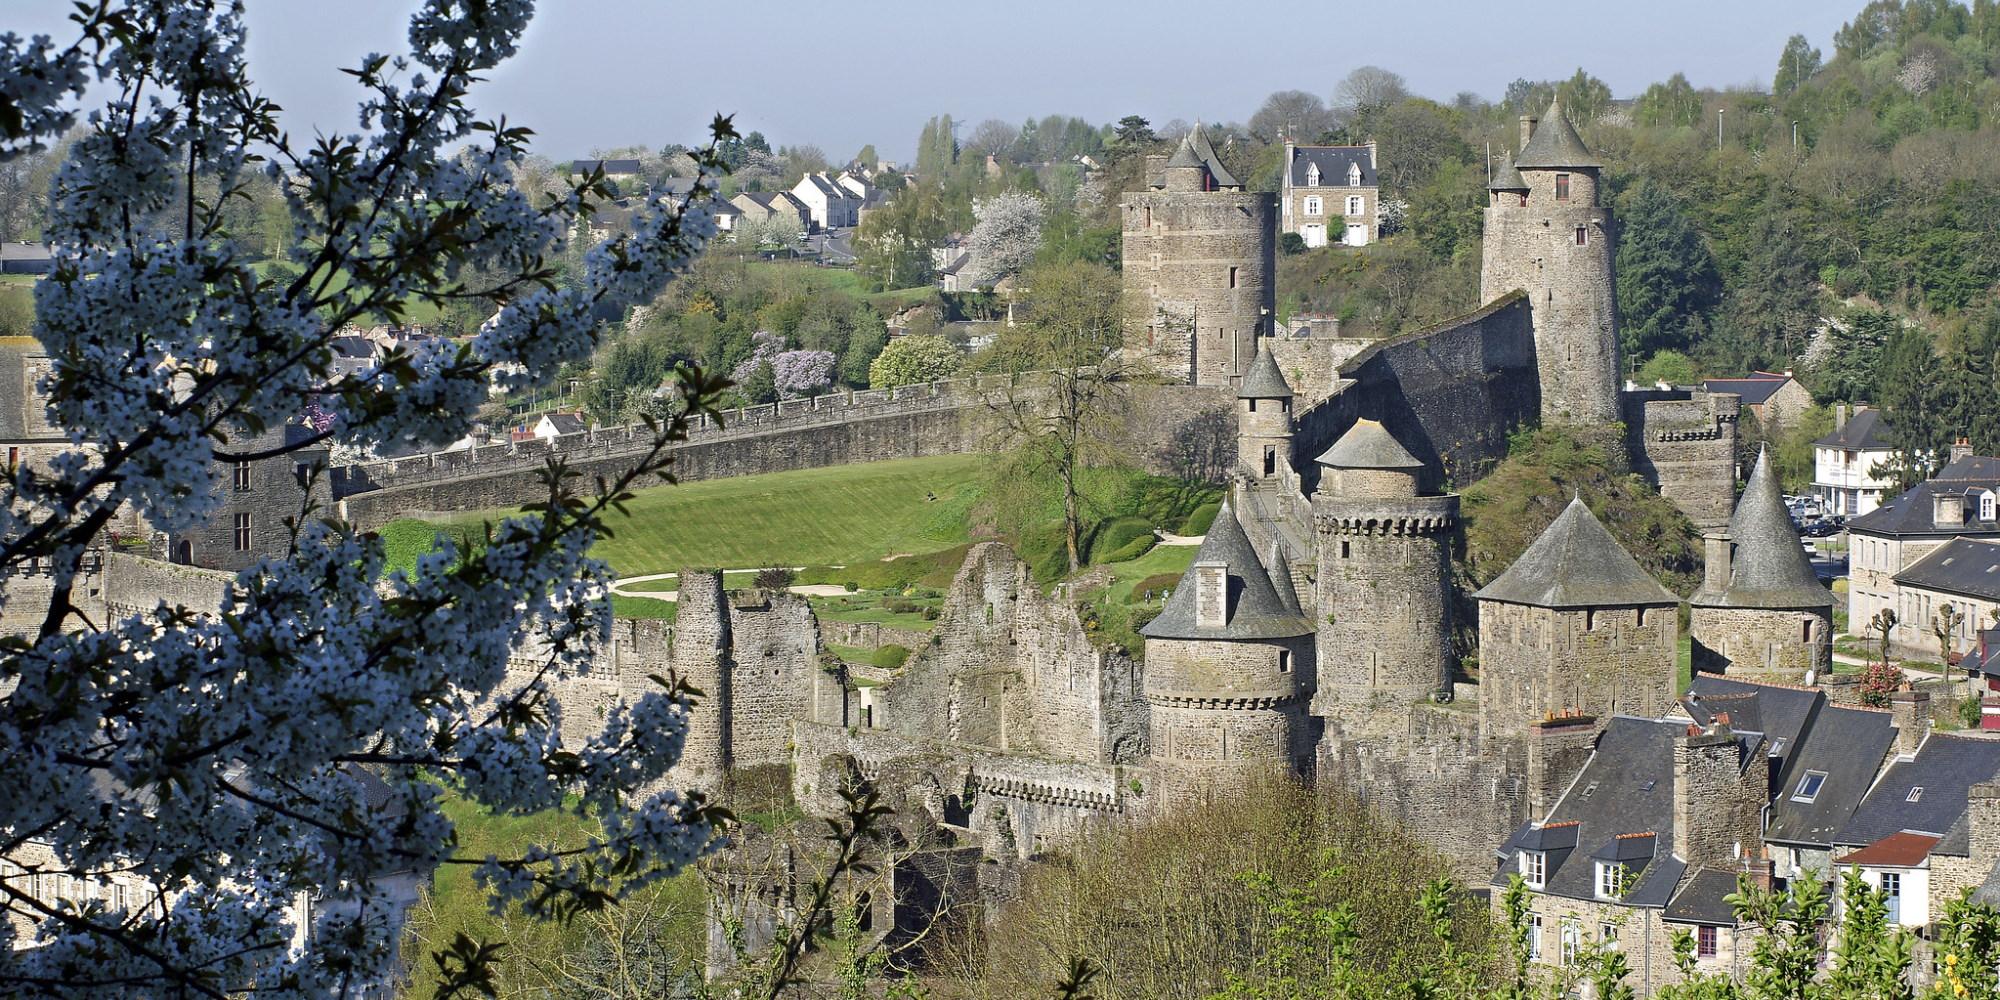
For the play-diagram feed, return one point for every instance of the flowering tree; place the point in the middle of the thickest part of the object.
(299, 737)
(912, 360)
(790, 374)
(1005, 238)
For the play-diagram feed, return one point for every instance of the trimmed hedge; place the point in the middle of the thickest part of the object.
(1197, 522)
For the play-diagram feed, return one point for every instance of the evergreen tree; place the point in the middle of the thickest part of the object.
(1667, 280)
(1798, 62)
(1914, 404)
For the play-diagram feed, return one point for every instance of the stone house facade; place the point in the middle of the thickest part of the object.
(1329, 194)
(258, 496)
(1904, 531)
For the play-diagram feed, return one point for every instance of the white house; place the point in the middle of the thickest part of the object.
(558, 424)
(831, 205)
(1850, 465)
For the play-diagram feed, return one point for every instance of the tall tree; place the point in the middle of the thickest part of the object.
(1292, 114)
(1796, 65)
(295, 735)
(1672, 104)
(1369, 88)
(1666, 278)
(1584, 97)
(1914, 405)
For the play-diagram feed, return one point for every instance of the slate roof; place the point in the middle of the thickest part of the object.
(1804, 731)
(1184, 154)
(677, 187)
(1507, 178)
(1216, 171)
(1967, 566)
(1264, 380)
(1768, 569)
(22, 250)
(1972, 469)
(1863, 431)
(566, 423)
(1897, 850)
(1913, 512)
(1988, 661)
(1333, 162)
(1626, 787)
(1945, 767)
(1704, 900)
(1257, 609)
(1555, 143)
(1369, 445)
(1755, 390)
(1576, 564)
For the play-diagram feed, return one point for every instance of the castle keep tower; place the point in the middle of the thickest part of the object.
(1199, 257)
(1384, 574)
(1228, 668)
(1264, 420)
(1761, 612)
(1574, 625)
(1547, 235)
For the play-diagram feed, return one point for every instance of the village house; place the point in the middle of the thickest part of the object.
(1895, 538)
(23, 257)
(756, 206)
(1851, 465)
(1329, 194)
(1772, 397)
(828, 204)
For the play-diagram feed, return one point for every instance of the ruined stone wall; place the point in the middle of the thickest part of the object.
(1200, 284)
(1765, 644)
(1717, 801)
(1685, 444)
(1608, 661)
(1312, 364)
(774, 670)
(1384, 597)
(132, 584)
(1451, 394)
(1011, 669)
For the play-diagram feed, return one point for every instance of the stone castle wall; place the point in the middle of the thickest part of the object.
(1451, 394)
(1559, 252)
(1312, 363)
(1200, 286)
(1765, 644)
(1685, 442)
(1436, 778)
(134, 584)
(1384, 596)
(1537, 661)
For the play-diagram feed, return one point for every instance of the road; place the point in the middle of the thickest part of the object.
(835, 246)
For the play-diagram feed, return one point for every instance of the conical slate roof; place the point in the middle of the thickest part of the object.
(1507, 178)
(1769, 568)
(1216, 171)
(1369, 445)
(1184, 154)
(1556, 144)
(1256, 608)
(1576, 564)
(1264, 380)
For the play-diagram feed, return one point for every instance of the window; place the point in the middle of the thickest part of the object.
(1149, 216)
(1232, 276)
(1353, 174)
(1582, 236)
(242, 532)
(1608, 933)
(1562, 187)
(1284, 661)
(1312, 175)
(1534, 868)
(1572, 941)
(1313, 205)
(242, 476)
(1892, 894)
(1805, 630)
(1270, 460)
(1524, 199)
(1610, 879)
(1989, 507)
(1704, 942)
(1535, 937)
(1916, 794)
(1809, 786)
(1345, 552)
(1354, 204)
(14, 461)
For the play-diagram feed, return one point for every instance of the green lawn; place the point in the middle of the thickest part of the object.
(844, 514)
(845, 281)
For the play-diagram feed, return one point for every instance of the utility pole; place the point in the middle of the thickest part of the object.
(1718, 127)
(1795, 136)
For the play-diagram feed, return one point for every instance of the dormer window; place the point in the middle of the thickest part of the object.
(1610, 880)
(1312, 175)
(1534, 868)
(1987, 506)
(1809, 786)
(1354, 175)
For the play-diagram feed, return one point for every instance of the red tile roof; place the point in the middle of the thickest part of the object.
(1897, 850)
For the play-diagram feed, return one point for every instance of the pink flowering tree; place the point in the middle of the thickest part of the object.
(297, 736)
(786, 374)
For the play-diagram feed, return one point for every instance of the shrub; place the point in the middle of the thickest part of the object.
(1126, 553)
(1969, 712)
(774, 578)
(890, 657)
(1197, 522)
(1291, 243)
(851, 586)
(1878, 682)
(1116, 535)
(931, 613)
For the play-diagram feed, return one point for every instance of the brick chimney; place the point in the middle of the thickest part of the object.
(1982, 818)
(1910, 713)
(1715, 811)
(1961, 448)
(1528, 123)
(1211, 595)
(1759, 871)
(1715, 561)
(1558, 747)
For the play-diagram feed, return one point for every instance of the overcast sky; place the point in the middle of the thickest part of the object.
(602, 73)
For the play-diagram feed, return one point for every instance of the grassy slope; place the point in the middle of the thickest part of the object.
(817, 516)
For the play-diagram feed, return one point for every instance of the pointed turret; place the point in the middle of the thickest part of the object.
(1555, 144)
(1368, 461)
(1264, 419)
(1264, 380)
(1507, 177)
(1761, 611)
(1576, 564)
(1227, 594)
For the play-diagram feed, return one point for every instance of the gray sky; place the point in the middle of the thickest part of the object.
(601, 73)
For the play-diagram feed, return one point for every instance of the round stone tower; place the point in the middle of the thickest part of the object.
(1547, 235)
(1761, 612)
(1264, 421)
(1384, 577)
(1200, 255)
(1228, 670)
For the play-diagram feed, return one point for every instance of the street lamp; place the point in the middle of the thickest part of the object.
(1718, 127)
(1795, 136)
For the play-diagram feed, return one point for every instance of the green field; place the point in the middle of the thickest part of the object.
(813, 517)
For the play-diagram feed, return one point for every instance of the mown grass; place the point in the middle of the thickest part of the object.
(842, 514)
